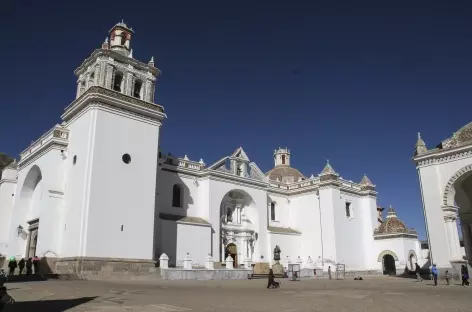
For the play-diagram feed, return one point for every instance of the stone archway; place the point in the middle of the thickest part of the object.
(238, 225)
(387, 252)
(232, 250)
(450, 188)
(412, 260)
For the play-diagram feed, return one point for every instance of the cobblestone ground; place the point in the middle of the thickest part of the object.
(379, 294)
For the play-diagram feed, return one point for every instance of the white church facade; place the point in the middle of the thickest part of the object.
(97, 189)
(445, 179)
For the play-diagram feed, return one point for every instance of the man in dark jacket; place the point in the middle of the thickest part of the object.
(418, 273)
(465, 275)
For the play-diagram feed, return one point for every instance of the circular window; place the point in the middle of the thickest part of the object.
(74, 160)
(126, 158)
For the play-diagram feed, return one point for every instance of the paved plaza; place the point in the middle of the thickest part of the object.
(375, 294)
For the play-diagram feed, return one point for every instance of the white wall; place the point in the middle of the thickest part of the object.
(433, 180)
(7, 199)
(82, 130)
(120, 216)
(282, 211)
(39, 204)
(290, 246)
(305, 217)
(402, 248)
(350, 242)
(195, 240)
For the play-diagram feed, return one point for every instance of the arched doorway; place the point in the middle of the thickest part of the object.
(232, 250)
(412, 261)
(238, 226)
(389, 265)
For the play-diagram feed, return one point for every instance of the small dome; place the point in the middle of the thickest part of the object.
(463, 135)
(392, 224)
(285, 174)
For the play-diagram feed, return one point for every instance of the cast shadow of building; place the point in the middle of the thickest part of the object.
(48, 305)
(172, 202)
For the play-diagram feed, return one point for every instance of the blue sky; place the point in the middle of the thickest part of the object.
(352, 83)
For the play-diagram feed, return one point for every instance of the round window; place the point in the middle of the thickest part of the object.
(126, 158)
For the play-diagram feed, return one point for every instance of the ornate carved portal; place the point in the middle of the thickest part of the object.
(32, 238)
(232, 250)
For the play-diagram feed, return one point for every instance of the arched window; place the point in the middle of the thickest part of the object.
(283, 159)
(123, 38)
(176, 196)
(272, 211)
(137, 89)
(118, 81)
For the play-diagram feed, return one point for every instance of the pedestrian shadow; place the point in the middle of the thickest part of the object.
(49, 305)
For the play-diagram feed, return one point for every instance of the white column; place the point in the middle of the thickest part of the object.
(466, 235)
(209, 265)
(188, 262)
(453, 237)
(164, 261)
(229, 262)
(222, 252)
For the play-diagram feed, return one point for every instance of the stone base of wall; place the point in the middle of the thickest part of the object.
(107, 268)
(205, 275)
(348, 274)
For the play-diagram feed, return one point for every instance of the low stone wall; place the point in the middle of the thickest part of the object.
(348, 274)
(107, 268)
(205, 275)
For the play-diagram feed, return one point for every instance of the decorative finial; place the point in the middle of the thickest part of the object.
(420, 147)
(131, 54)
(151, 62)
(419, 136)
(106, 40)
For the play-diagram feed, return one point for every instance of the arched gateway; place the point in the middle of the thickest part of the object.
(445, 177)
(238, 218)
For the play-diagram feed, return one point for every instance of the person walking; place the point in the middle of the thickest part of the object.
(435, 272)
(21, 265)
(465, 275)
(12, 265)
(418, 273)
(270, 281)
(329, 273)
(29, 266)
(36, 264)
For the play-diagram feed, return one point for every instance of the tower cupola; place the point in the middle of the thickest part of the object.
(120, 38)
(282, 157)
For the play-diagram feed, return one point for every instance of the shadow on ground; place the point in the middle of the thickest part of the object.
(49, 305)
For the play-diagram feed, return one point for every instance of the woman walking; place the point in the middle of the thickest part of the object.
(465, 275)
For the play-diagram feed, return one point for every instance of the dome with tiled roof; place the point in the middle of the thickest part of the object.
(285, 174)
(462, 136)
(282, 171)
(392, 224)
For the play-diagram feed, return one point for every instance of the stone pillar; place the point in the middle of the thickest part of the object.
(299, 261)
(128, 84)
(450, 217)
(102, 73)
(79, 88)
(96, 76)
(209, 264)
(147, 90)
(188, 262)
(229, 262)
(110, 73)
(309, 264)
(164, 261)
(467, 237)
(222, 252)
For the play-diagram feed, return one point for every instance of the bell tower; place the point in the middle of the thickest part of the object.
(114, 129)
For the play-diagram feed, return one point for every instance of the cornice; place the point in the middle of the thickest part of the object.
(42, 150)
(117, 56)
(8, 181)
(443, 155)
(392, 236)
(115, 99)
